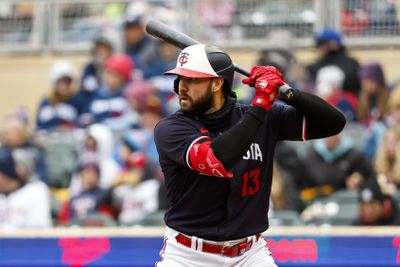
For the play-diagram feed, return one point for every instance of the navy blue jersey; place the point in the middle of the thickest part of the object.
(63, 114)
(217, 208)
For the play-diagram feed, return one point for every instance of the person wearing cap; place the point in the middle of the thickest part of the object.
(139, 46)
(376, 208)
(374, 93)
(143, 99)
(217, 157)
(373, 108)
(329, 86)
(16, 135)
(61, 108)
(136, 193)
(332, 51)
(109, 106)
(92, 199)
(22, 204)
(99, 140)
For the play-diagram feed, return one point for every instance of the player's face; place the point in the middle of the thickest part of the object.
(195, 95)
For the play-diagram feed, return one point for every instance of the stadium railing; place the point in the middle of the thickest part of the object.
(65, 26)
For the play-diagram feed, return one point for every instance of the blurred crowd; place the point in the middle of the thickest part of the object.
(90, 158)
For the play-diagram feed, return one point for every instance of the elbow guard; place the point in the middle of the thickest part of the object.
(202, 159)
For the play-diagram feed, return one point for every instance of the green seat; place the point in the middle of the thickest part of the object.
(94, 220)
(285, 218)
(154, 219)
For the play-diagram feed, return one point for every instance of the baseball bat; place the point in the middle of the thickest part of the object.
(181, 40)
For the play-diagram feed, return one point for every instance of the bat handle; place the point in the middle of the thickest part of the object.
(241, 70)
(284, 90)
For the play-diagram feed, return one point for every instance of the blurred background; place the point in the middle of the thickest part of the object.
(82, 88)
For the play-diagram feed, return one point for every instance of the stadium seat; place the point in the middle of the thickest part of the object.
(285, 218)
(94, 220)
(154, 219)
(347, 202)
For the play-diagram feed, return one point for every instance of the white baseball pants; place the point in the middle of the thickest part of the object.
(174, 254)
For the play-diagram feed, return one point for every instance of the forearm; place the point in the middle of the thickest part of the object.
(322, 119)
(230, 147)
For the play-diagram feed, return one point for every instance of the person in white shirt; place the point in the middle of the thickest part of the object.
(22, 205)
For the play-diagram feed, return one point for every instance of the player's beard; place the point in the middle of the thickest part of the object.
(200, 106)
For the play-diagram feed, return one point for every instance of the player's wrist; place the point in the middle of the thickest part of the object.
(264, 101)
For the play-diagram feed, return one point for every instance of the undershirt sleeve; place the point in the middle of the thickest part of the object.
(229, 147)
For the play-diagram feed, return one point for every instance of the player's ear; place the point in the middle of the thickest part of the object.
(217, 84)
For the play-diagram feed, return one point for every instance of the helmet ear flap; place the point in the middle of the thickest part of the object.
(176, 85)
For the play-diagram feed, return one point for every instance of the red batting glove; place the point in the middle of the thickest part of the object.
(266, 80)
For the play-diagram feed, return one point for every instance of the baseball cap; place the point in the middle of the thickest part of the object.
(201, 61)
(89, 159)
(370, 192)
(373, 71)
(7, 164)
(132, 20)
(61, 69)
(143, 94)
(137, 160)
(328, 34)
(121, 64)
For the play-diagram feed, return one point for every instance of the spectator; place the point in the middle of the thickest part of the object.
(332, 51)
(99, 140)
(373, 106)
(329, 84)
(104, 46)
(145, 101)
(387, 160)
(21, 204)
(61, 108)
(127, 146)
(92, 199)
(393, 107)
(140, 47)
(109, 106)
(103, 49)
(217, 17)
(333, 164)
(15, 135)
(376, 208)
(374, 93)
(290, 171)
(166, 59)
(281, 55)
(284, 193)
(136, 194)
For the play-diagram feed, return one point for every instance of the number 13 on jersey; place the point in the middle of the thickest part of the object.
(251, 182)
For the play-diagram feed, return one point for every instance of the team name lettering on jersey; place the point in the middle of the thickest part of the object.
(254, 153)
(61, 111)
(109, 105)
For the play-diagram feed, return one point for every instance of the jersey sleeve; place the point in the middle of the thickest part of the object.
(174, 138)
(292, 124)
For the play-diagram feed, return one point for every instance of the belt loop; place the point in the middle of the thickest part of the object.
(194, 243)
(199, 244)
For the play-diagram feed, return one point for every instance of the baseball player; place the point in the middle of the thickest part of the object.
(217, 154)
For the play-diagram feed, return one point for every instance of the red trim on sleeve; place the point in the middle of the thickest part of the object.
(195, 141)
(304, 130)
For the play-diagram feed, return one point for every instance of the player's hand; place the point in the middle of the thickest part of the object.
(266, 80)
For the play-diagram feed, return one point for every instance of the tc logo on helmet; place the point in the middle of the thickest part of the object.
(183, 59)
